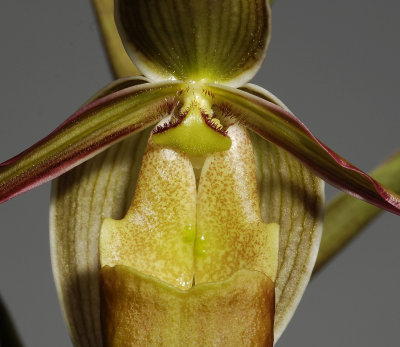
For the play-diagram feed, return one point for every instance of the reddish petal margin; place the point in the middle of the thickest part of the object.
(281, 127)
(87, 132)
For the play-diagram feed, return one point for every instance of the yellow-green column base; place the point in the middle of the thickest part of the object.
(140, 310)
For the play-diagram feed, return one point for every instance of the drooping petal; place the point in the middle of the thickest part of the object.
(101, 187)
(281, 127)
(215, 41)
(87, 132)
(117, 85)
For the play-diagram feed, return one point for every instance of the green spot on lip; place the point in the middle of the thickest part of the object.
(189, 233)
(200, 246)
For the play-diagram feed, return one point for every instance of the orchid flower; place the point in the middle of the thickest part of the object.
(195, 88)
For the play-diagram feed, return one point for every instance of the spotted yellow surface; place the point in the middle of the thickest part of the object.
(187, 265)
(177, 234)
(231, 234)
(156, 236)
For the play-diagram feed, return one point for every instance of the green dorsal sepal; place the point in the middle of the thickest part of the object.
(193, 132)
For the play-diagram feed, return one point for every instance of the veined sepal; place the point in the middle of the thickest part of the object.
(218, 41)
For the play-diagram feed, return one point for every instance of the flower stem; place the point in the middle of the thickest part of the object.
(346, 216)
